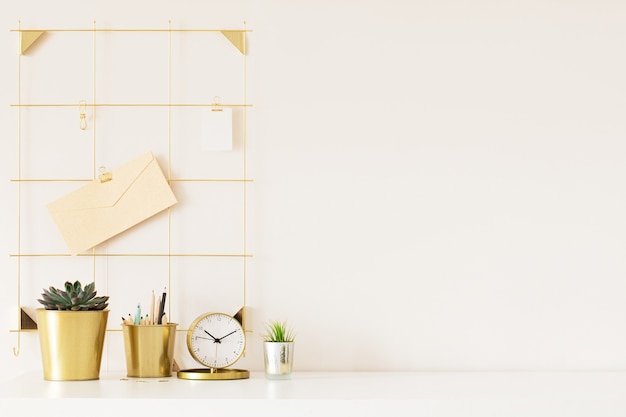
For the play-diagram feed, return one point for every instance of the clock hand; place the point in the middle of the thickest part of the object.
(219, 339)
(224, 337)
(210, 335)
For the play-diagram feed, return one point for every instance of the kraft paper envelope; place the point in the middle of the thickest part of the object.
(102, 209)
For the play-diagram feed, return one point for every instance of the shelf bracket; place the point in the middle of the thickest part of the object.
(27, 38)
(237, 38)
(27, 323)
(239, 316)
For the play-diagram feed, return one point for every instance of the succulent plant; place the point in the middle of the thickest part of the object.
(74, 298)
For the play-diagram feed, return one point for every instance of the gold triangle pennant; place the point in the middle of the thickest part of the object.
(237, 38)
(28, 38)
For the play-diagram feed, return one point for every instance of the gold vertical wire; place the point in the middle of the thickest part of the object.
(169, 165)
(245, 177)
(94, 101)
(93, 251)
(16, 350)
(169, 102)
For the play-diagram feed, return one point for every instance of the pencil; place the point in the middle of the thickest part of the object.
(152, 312)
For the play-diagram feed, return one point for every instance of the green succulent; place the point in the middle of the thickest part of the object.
(74, 298)
(278, 331)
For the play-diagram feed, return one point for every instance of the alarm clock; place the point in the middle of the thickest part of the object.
(216, 341)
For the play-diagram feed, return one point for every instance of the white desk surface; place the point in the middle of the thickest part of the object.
(433, 394)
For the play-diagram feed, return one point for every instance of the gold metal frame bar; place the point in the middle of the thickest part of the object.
(132, 30)
(112, 255)
(210, 180)
(129, 105)
(171, 180)
(16, 349)
(245, 190)
(169, 165)
(108, 331)
(94, 150)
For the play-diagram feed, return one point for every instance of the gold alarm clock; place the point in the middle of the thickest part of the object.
(216, 341)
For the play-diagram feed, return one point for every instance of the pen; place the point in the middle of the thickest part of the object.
(138, 315)
(162, 308)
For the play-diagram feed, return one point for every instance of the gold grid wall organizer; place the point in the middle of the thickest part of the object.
(28, 38)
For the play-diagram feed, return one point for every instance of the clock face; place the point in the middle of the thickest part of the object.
(216, 340)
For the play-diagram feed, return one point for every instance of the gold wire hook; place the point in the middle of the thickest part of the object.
(217, 103)
(16, 349)
(83, 115)
(105, 176)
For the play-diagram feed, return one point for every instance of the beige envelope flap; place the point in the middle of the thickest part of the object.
(98, 211)
(98, 194)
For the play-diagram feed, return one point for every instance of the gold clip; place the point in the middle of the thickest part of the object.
(217, 105)
(83, 114)
(105, 176)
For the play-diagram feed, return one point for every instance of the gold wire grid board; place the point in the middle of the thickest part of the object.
(34, 36)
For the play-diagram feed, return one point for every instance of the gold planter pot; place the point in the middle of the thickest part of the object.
(149, 350)
(71, 343)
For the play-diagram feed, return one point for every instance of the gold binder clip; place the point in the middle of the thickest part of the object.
(83, 115)
(217, 105)
(105, 176)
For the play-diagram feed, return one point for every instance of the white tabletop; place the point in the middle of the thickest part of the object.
(484, 394)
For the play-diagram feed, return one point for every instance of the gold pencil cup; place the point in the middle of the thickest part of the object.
(149, 349)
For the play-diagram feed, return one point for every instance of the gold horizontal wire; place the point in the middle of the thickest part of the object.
(108, 330)
(105, 255)
(129, 105)
(132, 30)
(210, 180)
(51, 180)
(171, 180)
(35, 330)
(177, 330)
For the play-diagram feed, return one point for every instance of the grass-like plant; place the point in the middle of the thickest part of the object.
(278, 331)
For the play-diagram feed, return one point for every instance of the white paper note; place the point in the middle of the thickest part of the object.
(217, 129)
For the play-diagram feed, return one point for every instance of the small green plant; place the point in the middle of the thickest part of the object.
(278, 331)
(74, 298)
